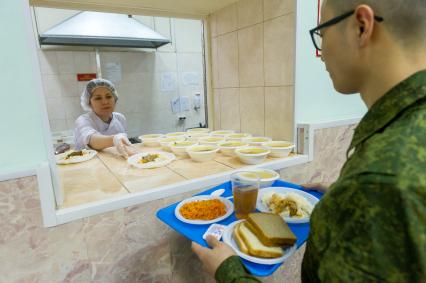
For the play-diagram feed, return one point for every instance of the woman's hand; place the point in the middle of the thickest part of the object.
(123, 145)
(321, 187)
(212, 258)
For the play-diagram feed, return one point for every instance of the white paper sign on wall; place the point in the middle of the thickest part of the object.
(168, 81)
(190, 79)
(175, 104)
(112, 71)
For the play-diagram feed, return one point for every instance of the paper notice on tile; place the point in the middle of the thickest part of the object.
(168, 82)
(112, 71)
(190, 79)
(176, 107)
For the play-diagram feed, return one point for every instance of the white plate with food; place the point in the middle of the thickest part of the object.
(75, 156)
(229, 237)
(153, 159)
(295, 206)
(203, 209)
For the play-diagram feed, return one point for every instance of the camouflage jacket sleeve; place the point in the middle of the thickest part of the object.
(374, 232)
(232, 270)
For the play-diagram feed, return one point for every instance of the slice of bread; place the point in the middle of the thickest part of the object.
(239, 240)
(255, 246)
(271, 229)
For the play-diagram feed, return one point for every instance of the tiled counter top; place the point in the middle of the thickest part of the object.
(108, 177)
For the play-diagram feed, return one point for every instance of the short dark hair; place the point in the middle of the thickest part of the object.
(405, 19)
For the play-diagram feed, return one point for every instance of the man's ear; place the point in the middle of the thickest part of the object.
(364, 17)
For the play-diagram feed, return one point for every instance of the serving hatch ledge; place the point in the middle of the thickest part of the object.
(65, 215)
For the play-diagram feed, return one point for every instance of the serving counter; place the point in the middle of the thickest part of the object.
(108, 176)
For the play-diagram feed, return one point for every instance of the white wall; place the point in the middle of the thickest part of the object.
(21, 144)
(316, 99)
(142, 100)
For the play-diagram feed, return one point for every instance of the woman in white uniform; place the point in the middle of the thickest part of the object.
(101, 127)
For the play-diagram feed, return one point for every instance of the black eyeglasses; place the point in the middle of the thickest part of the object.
(316, 34)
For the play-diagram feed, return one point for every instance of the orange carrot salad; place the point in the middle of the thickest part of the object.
(203, 209)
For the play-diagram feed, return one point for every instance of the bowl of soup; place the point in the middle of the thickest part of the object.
(279, 148)
(166, 141)
(202, 153)
(252, 154)
(237, 137)
(198, 130)
(267, 177)
(151, 140)
(257, 141)
(222, 133)
(176, 134)
(228, 147)
(179, 147)
(195, 136)
(211, 140)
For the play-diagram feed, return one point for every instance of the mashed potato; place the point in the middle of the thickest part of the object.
(287, 205)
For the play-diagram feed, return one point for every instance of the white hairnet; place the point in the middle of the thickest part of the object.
(90, 87)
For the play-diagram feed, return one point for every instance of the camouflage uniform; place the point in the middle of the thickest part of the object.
(371, 225)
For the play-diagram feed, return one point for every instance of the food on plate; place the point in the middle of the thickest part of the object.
(271, 229)
(287, 205)
(203, 209)
(249, 243)
(74, 153)
(149, 158)
(238, 238)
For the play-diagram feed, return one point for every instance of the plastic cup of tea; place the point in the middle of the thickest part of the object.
(245, 186)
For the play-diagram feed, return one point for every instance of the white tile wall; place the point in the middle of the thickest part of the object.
(188, 35)
(146, 107)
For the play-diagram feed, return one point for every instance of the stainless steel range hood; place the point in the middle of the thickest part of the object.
(103, 29)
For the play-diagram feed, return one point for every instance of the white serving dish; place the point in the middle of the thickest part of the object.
(179, 148)
(279, 148)
(228, 147)
(151, 140)
(163, 159)
(211, 140)
(165, 142)
(257, 141)
(267, 177)
(237, 136)
(202, 153)
(228, 238)
(252, 154)
(229, 209)
(87, 155)
(264, 208)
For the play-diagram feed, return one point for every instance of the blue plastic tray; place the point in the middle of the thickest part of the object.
(195, 232)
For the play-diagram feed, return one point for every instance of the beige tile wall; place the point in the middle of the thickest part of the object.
(252, 55)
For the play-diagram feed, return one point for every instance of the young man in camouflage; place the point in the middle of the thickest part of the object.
(371, 224)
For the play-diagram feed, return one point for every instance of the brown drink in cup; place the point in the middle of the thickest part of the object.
(245, 186)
